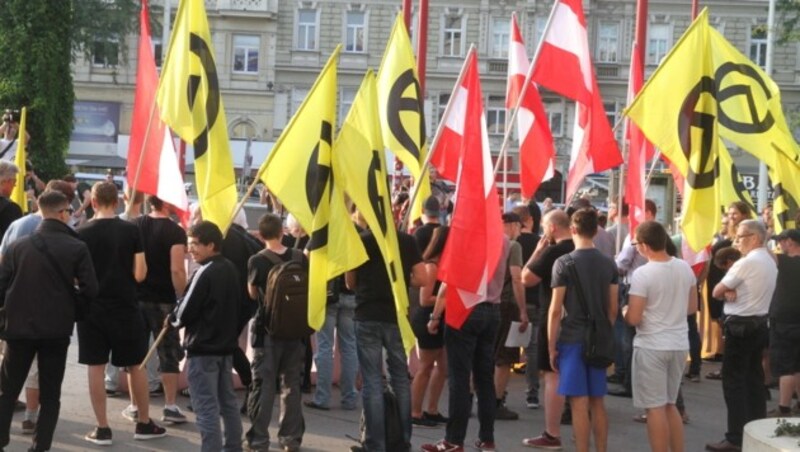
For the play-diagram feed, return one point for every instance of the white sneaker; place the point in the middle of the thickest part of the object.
(131, 413)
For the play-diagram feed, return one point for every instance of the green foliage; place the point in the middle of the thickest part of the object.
(36, 73)
(98, 22)
(786, 428)
(789, 20)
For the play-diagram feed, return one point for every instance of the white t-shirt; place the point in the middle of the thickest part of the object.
(753, 277)
(665, 286)
(11, 154)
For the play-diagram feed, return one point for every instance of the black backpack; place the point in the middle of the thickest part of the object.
(286, 297)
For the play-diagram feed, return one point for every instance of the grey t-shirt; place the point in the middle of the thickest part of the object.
(597, 272)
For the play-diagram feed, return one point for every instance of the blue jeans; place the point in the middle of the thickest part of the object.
(281, 360)
(211, 388)
(470, 351)
(338, 316)
(372, 338)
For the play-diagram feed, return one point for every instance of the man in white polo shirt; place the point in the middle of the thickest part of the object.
(747, 290)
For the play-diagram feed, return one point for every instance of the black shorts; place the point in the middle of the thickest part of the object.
(123, 337)
(784, 348)
(506, 356)
(715, 307)
(170, 351)
(419, 324)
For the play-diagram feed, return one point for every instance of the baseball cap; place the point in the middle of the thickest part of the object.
(790, 234)
(431, 207)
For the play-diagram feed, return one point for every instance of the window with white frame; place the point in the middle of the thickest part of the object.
(658, 42)
(608, 42)
(555, 115)
(105, 52)
(758, 44)
(355, 31)
(539, 23)
(443, 100)
(298, 96)
(499, 39)
(306, 29)
(158, 50)
(245, 53)
(496, 115)
(345, 102)
(453, 36)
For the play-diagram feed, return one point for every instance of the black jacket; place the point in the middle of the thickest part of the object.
(38, 303)
(210, 309)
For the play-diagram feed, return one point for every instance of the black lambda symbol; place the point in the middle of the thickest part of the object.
(690, 117)
(200, 48)
(318, 178)
(756, 125)
(397, 103)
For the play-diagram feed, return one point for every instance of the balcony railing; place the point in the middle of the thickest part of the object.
(259, 6)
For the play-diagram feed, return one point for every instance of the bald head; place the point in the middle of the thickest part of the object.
(557, 218)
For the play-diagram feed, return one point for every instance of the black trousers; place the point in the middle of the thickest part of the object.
(19, 354)
(743, 376)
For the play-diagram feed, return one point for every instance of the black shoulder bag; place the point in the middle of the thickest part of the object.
(598, 343)
(80, 304)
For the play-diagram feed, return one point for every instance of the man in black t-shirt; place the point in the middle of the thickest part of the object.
(113, 324)
(430, 220)
(377, 329)
(528, 238)
(273, 358)
(556, 241)
(164, 244)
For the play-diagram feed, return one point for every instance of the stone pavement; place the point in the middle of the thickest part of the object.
(328, 430)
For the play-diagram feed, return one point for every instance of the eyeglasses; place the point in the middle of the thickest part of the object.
(741, 236)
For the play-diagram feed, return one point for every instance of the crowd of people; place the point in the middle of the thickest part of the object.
(131, 278)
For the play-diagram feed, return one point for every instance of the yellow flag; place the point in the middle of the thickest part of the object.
(298, 171)
(401, 109)
(732, 187)
(359, 165)
(677, 110)
(785, 177)
(749, 111)
(18, 195)
(190, 103)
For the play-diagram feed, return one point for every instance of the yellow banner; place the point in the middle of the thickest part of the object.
(360, 167)
(401, 109)
(785, 177)
(18, 195)
(299, 172)
(190, 103)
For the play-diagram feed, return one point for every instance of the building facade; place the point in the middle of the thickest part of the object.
(269, 52)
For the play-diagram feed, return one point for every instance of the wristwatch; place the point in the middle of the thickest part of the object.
(433, 317)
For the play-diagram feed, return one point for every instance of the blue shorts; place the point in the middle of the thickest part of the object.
(575, 377)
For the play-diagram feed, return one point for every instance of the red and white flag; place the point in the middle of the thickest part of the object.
(640, 149)
(158, 173)
(536, 151)
(696, 260)
(564, 65)
(475, 242)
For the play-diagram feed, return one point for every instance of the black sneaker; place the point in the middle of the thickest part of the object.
(438, 418)
(149, 431)
(422, 422)
(100, 436)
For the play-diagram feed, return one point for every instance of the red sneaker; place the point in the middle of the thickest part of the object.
(543, 441)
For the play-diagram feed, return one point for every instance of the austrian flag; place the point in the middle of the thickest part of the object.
(475, 242)
(536, 151)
